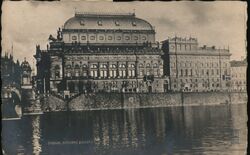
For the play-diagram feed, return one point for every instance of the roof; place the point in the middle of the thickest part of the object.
(107, 21)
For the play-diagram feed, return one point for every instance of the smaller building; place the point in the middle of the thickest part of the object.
(193, 68)
(26, 75)
(10, 71)
(238, 75)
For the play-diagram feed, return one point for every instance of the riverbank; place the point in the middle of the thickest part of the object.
(103, 101)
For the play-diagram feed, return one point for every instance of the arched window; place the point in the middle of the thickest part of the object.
(113, 66)
(57, 74)
(148, 65)
(94, 66)
(155, 65)
(84, 66)
(134, 23)
(57, 67)
(103, 66)
(68, 66)
(141, 65)
(122, 66)
(81, 22)
(99, 22)
(117, 23)
(68, 74)
(132, 65)
(77, 66)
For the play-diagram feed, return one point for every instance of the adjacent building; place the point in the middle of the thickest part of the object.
(10, 71)
(102, 52)
(238, 75)
(194, 68)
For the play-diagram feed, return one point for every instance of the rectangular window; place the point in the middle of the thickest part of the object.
(119, 38)
(84, 73)
(83, 37)
(74, 37)
(92, 38)
(141, 73)
(133, 73)
(144, 38)
(109, 37)
(77, 74)
(101, 38)
(99, 23)
(127, 38)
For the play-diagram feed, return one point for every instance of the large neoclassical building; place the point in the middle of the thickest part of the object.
(101, 52)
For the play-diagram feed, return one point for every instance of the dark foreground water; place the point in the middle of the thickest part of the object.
(152, 131)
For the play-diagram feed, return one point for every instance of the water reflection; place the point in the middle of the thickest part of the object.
(36, 135)
(172, 130)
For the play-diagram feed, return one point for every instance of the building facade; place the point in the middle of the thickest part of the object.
(238, 75)
(194, 68)
(101, 52)
(26, 79)
(10, 71)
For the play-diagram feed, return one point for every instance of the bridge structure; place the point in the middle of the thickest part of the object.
(11, 103)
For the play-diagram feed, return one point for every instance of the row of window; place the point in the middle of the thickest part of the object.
(239, 75)
(148, 65)
(196, 80)
(103, 73)
(203, 85)
(110, 38)
(190, 64)
(100, 23)
(95, 66)
(186, 47)
(191, 72)
(239, 82)
(112, 73)
(200, 58)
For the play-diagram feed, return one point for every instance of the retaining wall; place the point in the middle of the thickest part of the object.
(136, 100)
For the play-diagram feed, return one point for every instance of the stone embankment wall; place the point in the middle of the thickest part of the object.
(134, 100)
(52, 103)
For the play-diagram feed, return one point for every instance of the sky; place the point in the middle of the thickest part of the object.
(223, 24)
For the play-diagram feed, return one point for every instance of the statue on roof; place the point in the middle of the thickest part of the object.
(59, 34)
(52, 38)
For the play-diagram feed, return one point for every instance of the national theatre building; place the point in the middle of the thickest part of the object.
(101, 53)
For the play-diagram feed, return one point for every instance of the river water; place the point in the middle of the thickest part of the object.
(220, 129)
